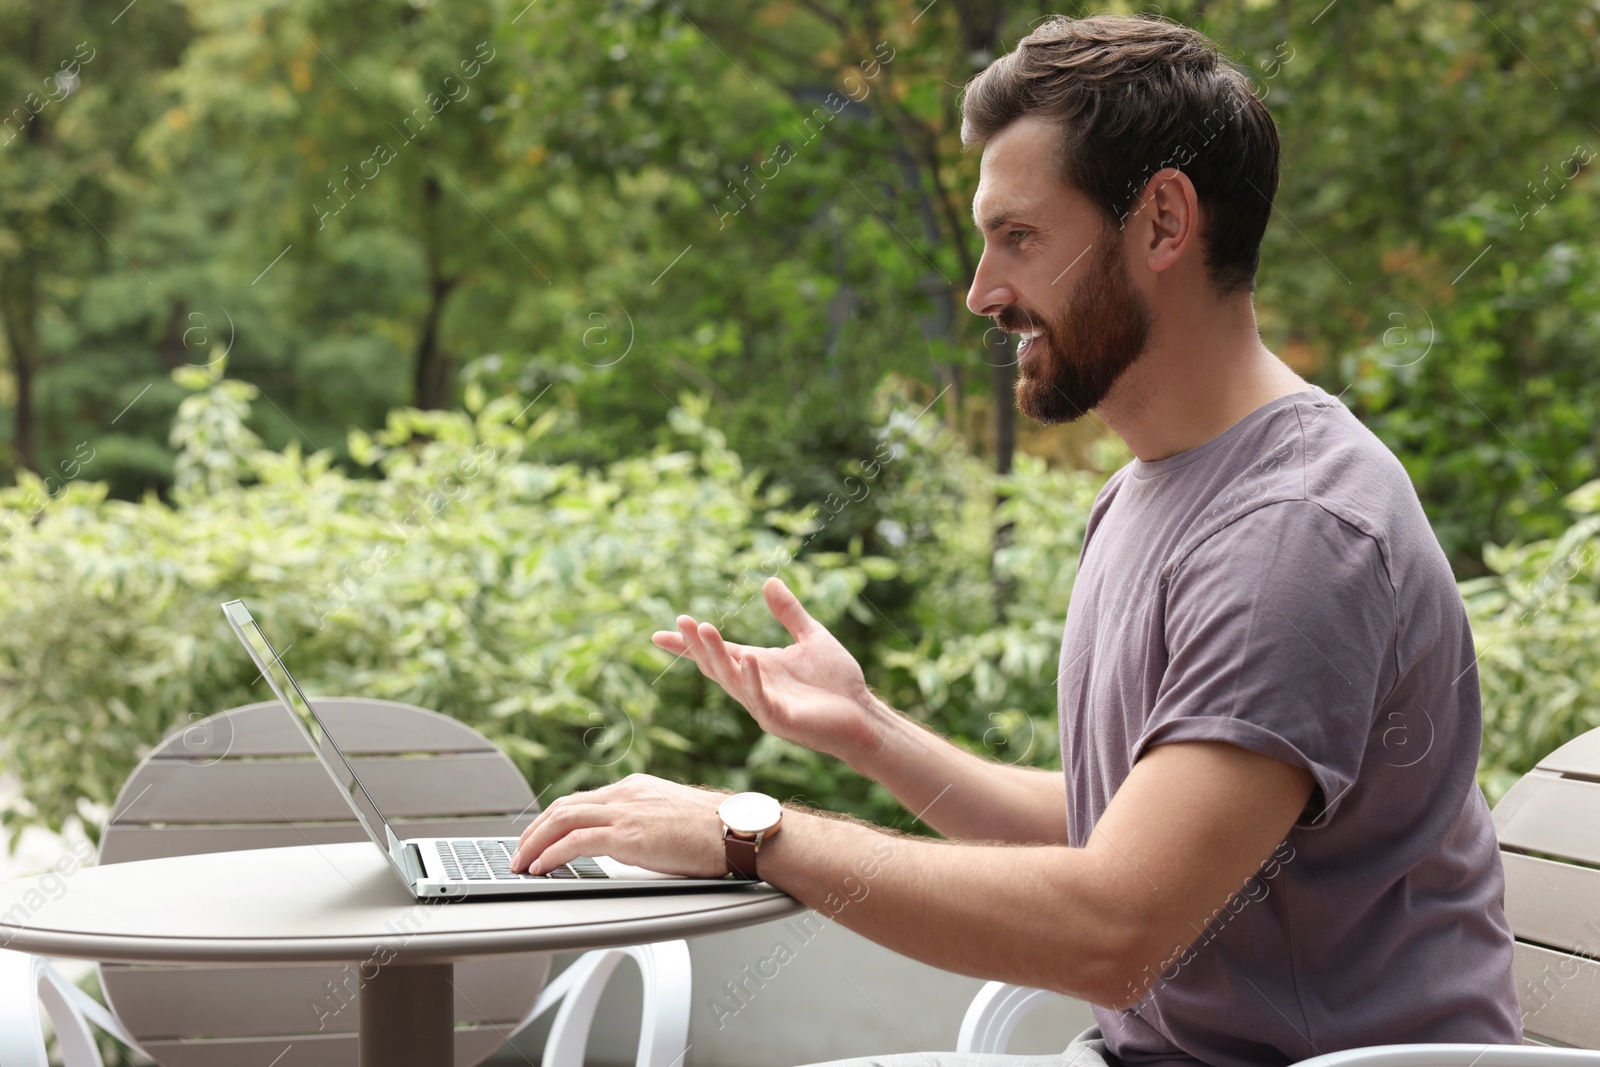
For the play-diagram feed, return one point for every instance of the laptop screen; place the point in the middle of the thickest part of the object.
(327, 750)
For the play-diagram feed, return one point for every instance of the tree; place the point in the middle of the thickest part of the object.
(76, 85)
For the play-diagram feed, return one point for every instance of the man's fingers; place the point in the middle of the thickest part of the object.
(755, 693)
(688, 630)
(588, 841)
(555, 823)
(706, 647)
(722, 664)
(785, 607)
(712, 638)
(671, 641)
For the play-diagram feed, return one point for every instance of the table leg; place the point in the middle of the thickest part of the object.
(408, 1017)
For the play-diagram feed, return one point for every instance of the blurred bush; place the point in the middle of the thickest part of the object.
(470, 577)
(1534, 620)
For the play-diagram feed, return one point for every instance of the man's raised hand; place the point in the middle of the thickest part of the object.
(812, 692)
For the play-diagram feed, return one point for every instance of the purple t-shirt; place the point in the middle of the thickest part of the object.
(1278, 588)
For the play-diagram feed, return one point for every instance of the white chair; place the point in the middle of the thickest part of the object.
(245, 779)
(1553, 811)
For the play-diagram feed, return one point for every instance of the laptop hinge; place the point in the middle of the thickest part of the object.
(410, 859)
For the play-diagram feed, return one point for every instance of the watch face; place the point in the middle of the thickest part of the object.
(750, 813)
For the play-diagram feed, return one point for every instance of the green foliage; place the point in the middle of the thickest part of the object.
(214, 445)
(1486, 392)
(464, 571)
(472, 577)
(652, 182)
(1534, 619)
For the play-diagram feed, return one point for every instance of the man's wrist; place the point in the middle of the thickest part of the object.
(748, 821)
(778, 849)
(883, 723)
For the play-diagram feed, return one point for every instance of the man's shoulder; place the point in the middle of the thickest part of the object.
(1352, 473)
(1314, 453)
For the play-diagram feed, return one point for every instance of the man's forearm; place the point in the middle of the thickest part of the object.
(959, 793)
(974, 909)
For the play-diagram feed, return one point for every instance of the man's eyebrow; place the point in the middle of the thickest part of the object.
(998, 218)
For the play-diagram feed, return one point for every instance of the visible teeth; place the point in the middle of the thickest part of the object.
(1031, 334)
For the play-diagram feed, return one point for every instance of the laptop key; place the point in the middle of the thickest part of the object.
(587, 868)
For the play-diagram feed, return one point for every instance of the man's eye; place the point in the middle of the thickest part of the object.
(1017, 235)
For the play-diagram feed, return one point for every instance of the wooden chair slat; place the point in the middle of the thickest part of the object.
(301, 1050)
(1580, 756)
(134, 842)
(1547, 813)
(367, 727)
(1558, 993)
(299, 789)
(170, 1003)
(1553, 903)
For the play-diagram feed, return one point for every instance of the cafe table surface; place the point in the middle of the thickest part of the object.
(343, 903)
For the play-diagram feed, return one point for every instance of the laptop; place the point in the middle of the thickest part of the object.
(464, 868)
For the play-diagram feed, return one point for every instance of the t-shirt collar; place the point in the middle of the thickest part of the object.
(1142, 469)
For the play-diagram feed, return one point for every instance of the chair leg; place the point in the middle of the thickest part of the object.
(25, 981)
(664, 1030)
(569, 1033)
(21, 1035)
(78, 1046)
(994, 1014)
(664, 1027)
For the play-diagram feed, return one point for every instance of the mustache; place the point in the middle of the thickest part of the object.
(1013, 319)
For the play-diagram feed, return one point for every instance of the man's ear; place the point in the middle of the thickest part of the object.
(1169, 212)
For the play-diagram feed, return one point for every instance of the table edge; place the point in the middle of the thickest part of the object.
(416, 947)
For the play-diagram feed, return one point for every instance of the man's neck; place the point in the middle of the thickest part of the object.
(1195, 379)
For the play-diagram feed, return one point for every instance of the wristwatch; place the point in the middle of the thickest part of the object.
(748, 819)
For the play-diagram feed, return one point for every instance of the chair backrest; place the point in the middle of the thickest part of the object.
(247, 778)
(1549, 828)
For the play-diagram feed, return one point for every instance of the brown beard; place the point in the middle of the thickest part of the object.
(1085, 349)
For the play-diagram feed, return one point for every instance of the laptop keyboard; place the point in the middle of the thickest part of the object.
(489, 860)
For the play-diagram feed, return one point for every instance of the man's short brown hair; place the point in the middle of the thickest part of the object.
(1132, 96)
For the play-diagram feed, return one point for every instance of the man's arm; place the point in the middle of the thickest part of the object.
(960, 793)
(814, 694)
(1190, 825)
(1187, 829)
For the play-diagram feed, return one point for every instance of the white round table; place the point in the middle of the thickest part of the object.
(343, 903)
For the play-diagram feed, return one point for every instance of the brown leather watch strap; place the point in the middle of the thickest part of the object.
(741, 853)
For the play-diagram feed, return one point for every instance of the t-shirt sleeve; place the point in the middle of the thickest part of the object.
(1280, 635)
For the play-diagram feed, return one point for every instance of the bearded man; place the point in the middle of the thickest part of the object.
(1239, 864)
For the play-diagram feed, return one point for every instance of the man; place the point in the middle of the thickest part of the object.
(1270, 844)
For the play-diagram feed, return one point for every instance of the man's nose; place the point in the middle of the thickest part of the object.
(988, 294)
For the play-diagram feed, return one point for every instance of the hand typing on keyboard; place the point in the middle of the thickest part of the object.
(642, 820)
(489, 859)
